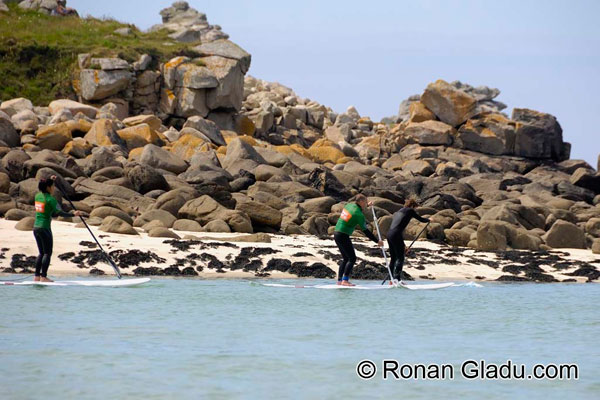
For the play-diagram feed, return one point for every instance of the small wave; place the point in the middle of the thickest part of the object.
(468, 284)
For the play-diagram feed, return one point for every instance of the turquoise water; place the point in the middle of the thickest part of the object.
(191, 339)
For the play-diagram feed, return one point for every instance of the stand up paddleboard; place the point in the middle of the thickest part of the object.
(98, 283)
(417, 286)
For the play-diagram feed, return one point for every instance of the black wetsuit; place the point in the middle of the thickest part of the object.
(43, 238)
(348, 255)
(396, 240)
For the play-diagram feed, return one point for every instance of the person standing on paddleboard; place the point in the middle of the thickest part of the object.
(46, 207)
(351, 217)
(395, 236)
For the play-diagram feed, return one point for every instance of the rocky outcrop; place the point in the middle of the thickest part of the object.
(188, 25)
(193, 144)
(49, 7)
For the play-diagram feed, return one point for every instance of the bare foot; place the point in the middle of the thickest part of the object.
(36, 278)
(339, 283)
(346, 283)
(44, 279)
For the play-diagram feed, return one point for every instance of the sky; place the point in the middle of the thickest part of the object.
(543, 55)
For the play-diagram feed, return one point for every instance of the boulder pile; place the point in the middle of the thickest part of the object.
(194, 144)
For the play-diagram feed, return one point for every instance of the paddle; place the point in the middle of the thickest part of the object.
(112, 263)
(413, 242)
(382, 249)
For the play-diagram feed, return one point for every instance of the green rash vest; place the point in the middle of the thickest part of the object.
(45, 207)
(351, 216)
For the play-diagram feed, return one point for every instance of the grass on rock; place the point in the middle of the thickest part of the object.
(38, 53)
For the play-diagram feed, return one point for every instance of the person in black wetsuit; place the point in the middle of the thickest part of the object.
(395, 237)
(46, 207)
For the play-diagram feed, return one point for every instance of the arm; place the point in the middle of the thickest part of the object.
(363, 227)
(418, 217)
(370, 235)
(60, 213)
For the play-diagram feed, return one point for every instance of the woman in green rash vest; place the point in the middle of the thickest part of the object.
(46, 207)
(351, 217)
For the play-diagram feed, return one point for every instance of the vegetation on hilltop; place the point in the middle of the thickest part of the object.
(38, 53)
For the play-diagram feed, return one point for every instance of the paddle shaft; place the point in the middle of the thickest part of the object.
(112, 263)
(382, 249)
(413, 242)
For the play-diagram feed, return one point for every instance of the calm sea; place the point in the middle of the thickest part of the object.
(229, 339)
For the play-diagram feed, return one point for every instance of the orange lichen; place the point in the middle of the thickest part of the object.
(174, 63)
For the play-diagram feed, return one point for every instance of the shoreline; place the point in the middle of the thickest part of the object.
(286, 257)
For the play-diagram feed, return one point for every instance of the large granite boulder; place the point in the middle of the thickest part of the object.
(106, 77)
(104, 133)
(419, 113)
(144, 179)
(26, 224)
(122, 194)
(539, 135)
(490, 134)
(499, 235)
(564, 234)
(100, 158)
(15, 106)
(173, 200)
(73, 107)
(586, 179)
(157, 157)
(226, 49)
(8, 133)
(188, 145)
(284, 190)
(230, 90)
(518, 215)
(106, 211)
(206, 127)
(54, 137)
(449, 104)
(25, 121)
(239, 150)
(166, 218)
(430, 132)
(139, 136)
(260, 214)
(114, 224)
(189, 225)
(13, 163)
(205, 209)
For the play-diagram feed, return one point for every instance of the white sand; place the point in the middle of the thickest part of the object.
(67, 238)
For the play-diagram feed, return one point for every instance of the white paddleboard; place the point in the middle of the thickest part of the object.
(418, 286)
(99, 283)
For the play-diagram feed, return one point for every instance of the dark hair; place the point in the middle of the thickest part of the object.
(45, 184)
(412, 203)
(360, 197)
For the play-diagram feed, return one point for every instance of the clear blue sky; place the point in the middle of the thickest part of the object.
(543, 54)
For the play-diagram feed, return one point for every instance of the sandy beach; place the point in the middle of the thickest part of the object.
(220, 258)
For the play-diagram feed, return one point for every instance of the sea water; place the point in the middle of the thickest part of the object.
(230, 339)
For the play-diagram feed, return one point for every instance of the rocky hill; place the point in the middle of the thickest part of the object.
(180, 137)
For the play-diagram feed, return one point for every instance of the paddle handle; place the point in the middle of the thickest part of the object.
(382, 249)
